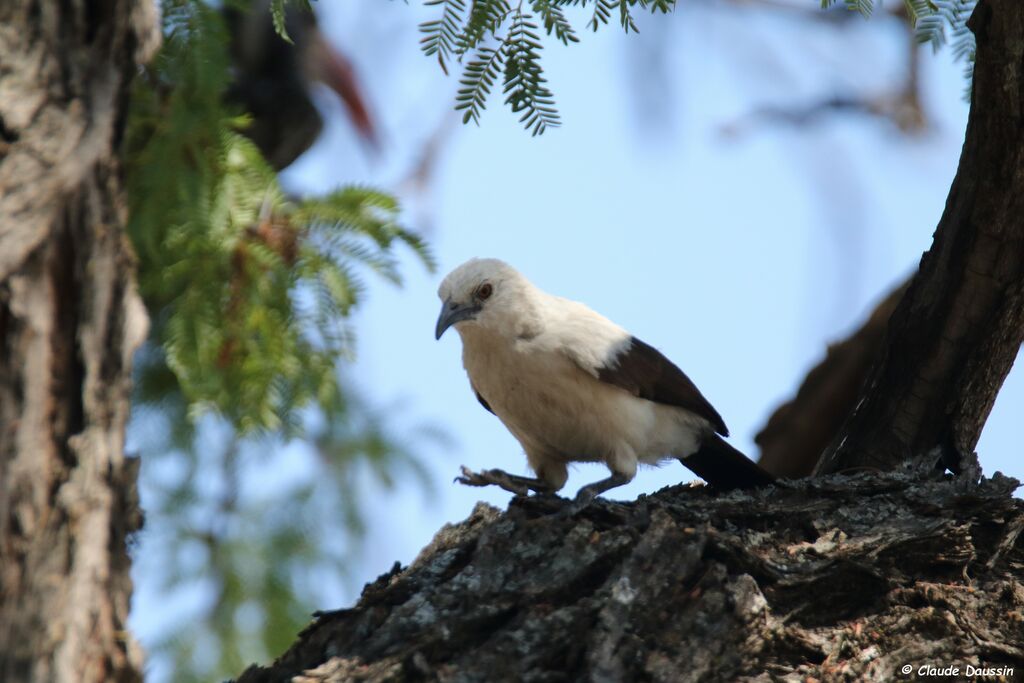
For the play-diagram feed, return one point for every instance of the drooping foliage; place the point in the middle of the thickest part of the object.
(497, 40)
(249, 291)
(934, 21)
(247, 287)
(947, 22)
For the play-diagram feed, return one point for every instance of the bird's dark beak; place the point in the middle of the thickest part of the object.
(452, 313)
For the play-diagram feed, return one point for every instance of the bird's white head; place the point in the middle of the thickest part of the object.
(483, 292)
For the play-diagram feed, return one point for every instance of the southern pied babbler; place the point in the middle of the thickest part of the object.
(572, 386)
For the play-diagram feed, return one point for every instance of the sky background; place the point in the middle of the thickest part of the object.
(738, 256)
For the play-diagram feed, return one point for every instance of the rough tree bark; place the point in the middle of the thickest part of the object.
(839, 578)
(800, 430)
(70, 319)
(954, 336)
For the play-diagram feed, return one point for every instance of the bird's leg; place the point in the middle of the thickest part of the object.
(592, 491)
(516, 484)
(588, 493)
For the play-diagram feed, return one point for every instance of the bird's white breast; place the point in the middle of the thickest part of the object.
(558, 410)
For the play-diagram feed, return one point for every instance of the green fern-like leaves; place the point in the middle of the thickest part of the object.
(442, 37)
(948, 19)
(916, 9)
(525, 87)
(663, 6)
(602, 13)
(934, 21)
(248, 288)
(863, 7)
(475, 38)
(554, 20)
(484, 19)
(249, 292)
(477, 81)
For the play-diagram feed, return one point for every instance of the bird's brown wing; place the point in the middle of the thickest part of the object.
(644, 371)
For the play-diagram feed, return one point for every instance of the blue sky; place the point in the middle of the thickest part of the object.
(740, 258)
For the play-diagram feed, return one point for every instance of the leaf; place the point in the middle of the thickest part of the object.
(602, 13)
(864, 7)
(477, 80)
(485, 19)
(554, 21)
(524, 83)
(456, 33)
(442, 37)
(917, 9)
(942, 19)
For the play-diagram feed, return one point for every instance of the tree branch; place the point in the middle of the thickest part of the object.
(800, 430)
(836, 578)
(953, 338)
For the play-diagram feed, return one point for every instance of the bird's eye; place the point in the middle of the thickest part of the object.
(484, 291)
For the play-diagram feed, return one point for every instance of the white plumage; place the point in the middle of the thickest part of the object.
(567, 382)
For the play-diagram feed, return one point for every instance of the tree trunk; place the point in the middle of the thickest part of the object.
(800, 430)
(833, 578)
(954, 336)
(70, 319)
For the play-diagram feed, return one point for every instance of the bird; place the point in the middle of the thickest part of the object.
(572, 386)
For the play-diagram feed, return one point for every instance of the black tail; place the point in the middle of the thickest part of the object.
(724, 467)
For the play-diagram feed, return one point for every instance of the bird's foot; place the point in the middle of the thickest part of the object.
(498, 478)
(577, 505)
(586, 495)
(591, 491)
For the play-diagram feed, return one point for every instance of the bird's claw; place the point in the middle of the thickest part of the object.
(491, 477)
(584, 497)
